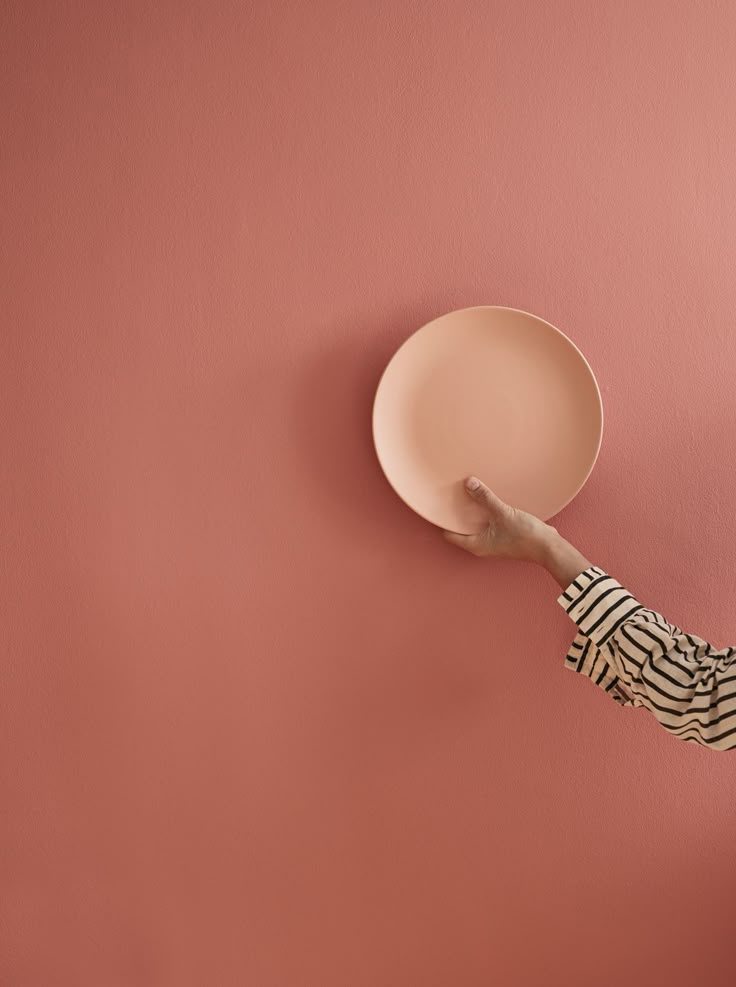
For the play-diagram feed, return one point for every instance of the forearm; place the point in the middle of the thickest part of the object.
(628, 650)
(561, 559)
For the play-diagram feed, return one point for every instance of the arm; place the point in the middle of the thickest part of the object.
(632, 652)
(561, 559)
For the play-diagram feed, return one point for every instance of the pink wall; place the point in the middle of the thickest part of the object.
(260, 725)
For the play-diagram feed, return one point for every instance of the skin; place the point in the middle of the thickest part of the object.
(515, 534)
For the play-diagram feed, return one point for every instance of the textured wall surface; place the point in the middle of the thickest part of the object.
(259, 724)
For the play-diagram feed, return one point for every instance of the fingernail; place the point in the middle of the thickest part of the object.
(472, 483)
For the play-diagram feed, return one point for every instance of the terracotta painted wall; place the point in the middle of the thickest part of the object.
(260, 725)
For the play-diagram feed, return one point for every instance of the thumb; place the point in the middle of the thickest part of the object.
(480, 492)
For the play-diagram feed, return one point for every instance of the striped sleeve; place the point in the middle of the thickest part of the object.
(641, 659)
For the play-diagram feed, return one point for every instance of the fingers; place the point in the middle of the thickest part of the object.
(480, 492)
(462, 541)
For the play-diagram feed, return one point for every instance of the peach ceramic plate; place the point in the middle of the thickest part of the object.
(494, 392)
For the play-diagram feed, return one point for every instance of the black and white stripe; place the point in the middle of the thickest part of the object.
(641, 659)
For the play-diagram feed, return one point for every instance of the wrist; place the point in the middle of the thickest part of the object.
(544, 545)
(561, 559)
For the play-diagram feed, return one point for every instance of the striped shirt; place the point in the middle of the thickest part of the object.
(640, 659)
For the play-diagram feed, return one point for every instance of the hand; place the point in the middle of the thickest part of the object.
(510, 533)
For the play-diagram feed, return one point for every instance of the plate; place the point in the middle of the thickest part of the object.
(493, 392)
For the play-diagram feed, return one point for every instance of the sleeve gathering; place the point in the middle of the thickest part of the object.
(640, 659)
